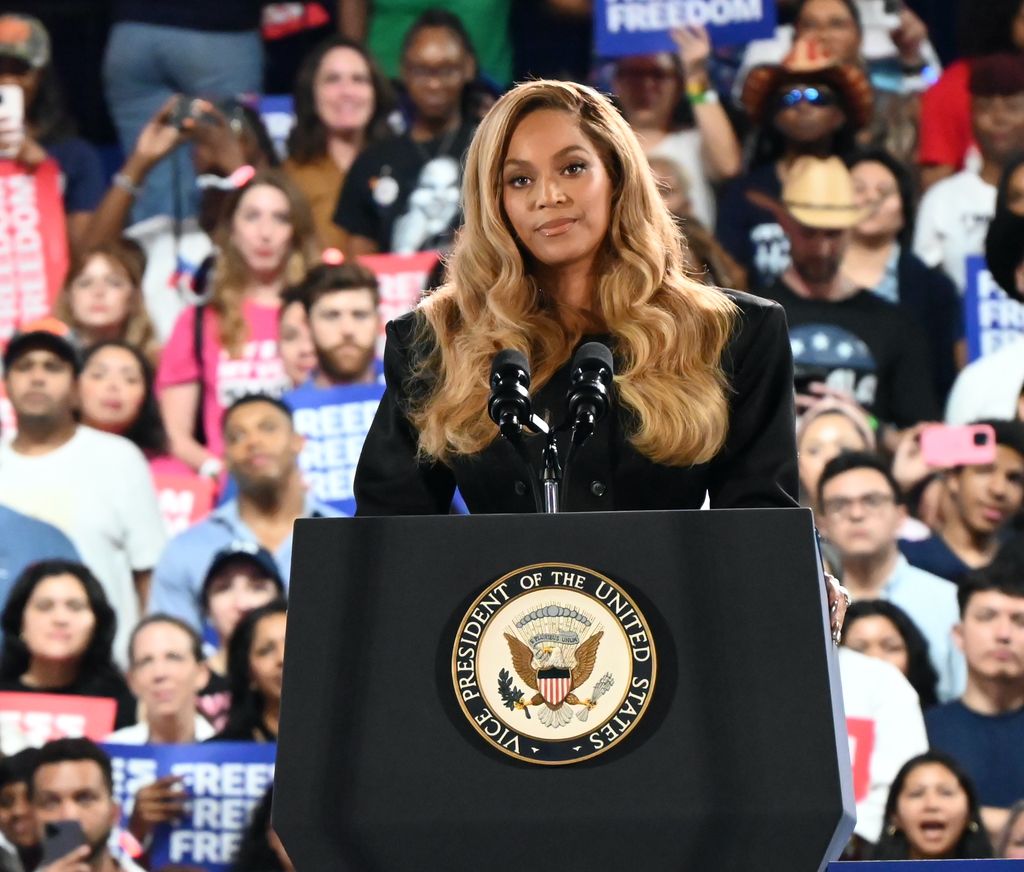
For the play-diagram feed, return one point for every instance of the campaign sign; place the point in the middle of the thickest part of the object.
(224, 781)
(861, 735)
(185, 499)
(334, 422)
(991, 318)
(33, 243)
(402, 278)
(30, 720)
(635, 27)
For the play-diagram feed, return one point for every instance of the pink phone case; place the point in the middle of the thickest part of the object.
(969, 445)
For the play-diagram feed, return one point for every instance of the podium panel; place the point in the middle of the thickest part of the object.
(740, 761)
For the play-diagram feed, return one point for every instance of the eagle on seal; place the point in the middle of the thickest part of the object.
(531, 667)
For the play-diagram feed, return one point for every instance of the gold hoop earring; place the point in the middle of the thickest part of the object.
(891, 830)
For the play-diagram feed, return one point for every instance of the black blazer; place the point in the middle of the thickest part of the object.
(755, 468)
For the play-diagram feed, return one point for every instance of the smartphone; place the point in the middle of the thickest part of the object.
(12, 114)
(969, 445)
(60, 838)
(880, 14)
(189, 107)
(804, 376)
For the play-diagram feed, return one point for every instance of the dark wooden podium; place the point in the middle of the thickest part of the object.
(741, 762)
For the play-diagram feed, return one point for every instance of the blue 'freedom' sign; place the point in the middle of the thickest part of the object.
(633, 27)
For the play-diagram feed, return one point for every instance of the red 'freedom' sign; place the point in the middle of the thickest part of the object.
(29, 720)
(33, 243)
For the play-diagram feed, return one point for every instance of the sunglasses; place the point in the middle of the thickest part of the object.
(810, 94)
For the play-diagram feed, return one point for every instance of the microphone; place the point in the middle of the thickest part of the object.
(509, 404)
(588, 401)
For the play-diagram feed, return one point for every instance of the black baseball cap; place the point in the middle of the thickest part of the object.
(49, 334)
(242, 551)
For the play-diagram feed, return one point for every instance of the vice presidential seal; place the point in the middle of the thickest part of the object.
(554, 664)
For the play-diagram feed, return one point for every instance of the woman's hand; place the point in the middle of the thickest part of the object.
(159, 137)
(838, 603)
(15, 141)
(694, 47)
(909, 37)
(908, 466)
(161, 802)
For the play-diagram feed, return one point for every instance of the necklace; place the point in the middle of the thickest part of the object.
(444, 147)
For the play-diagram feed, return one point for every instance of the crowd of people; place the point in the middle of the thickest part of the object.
(220, 323)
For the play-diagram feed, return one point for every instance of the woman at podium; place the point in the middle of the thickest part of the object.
(566, 240)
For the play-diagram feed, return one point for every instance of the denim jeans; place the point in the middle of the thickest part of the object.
(144, 65)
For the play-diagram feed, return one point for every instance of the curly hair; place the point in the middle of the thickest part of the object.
(96, 660)
(126, 256)
(308, 139)
(231, 273)
(669, 329)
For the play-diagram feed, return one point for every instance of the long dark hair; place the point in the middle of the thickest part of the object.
(904, 186)
(973, 843)
(308, 139)
(246, 712)
(96, 661)
(920, 671)
(147, 430)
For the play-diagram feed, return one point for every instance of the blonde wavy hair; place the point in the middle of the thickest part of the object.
(231, 274)
(126, 257)
(669, 329)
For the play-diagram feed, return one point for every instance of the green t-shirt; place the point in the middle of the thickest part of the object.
(487, 22)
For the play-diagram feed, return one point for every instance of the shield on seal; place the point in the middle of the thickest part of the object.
(554, 685)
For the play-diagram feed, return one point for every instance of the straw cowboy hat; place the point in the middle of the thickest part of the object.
(818, 192)
(809, 62)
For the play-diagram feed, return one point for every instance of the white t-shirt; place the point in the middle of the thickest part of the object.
(97, 489)
(169, 263)
(685, 148)
(886, 728)
(952, 223)
(988, 388)
(138, 734)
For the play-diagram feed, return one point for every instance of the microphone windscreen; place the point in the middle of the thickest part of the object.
(593, 355)
(510, 357)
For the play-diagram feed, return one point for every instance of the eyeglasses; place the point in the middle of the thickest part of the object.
(841, 506)
(810, 94)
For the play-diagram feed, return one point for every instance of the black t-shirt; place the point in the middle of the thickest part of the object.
(748, 232)
(225, 15)
(404, 195)
(865, 346)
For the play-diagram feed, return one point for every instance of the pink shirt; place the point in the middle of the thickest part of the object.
(258, 370)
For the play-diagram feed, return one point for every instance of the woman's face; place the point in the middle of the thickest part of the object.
(234, 592)
(266, 656)
(1015, 842)
(100, 296)
(874, 185)
(112, 389)
(58, 621)
(877, 636)
(1015, 191)
(648, 89)
(261, 230)
(932, 810)
(435, 70)
(556, 191)
(825, 437)
(832, 25)
(343, 91)
(295, 344)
